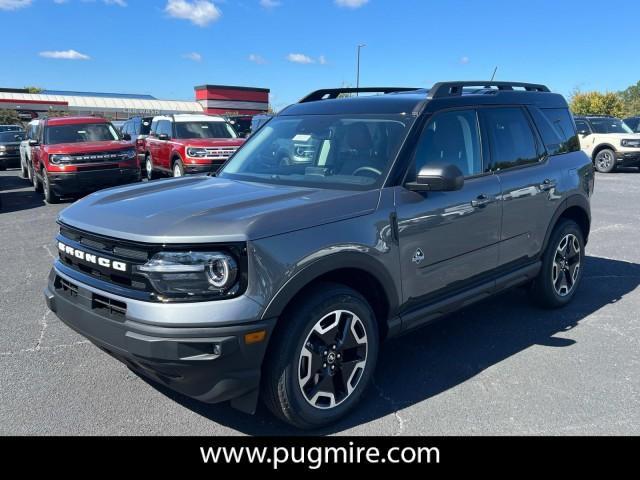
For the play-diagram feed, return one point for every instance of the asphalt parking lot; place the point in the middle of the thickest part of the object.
(501, 367)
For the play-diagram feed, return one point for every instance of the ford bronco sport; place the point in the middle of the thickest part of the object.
(187, 143)
(74, 155)
(280, 278)
(609, 142)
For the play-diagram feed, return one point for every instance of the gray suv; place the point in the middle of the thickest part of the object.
(280, 279)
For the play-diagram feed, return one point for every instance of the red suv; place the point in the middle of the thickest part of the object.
(187, 143)
(74, 155)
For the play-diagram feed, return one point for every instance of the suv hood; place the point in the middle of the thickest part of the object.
(212, 142)
(87, 147)
(621, 136)
(211, 210)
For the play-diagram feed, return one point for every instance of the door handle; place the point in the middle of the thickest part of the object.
(481, 201)
(547, 185)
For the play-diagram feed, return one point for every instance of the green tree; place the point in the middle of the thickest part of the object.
(597, 103)
(631, 99)
(33, 89)
(9, 117)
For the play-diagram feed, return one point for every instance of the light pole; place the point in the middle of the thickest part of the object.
(360, 47)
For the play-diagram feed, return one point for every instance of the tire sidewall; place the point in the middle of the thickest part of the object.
(352, 302)
(177, 163)
(567, 227)
(613, 163)
(148, 165)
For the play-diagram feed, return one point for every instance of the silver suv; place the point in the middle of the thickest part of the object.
(280, 278)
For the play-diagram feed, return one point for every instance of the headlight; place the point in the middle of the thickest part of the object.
(191, 274)
(196, 152)
(60, 159)
(2, 148)
(631, 143)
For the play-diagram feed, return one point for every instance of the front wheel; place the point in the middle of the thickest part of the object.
(178, 169)
(24, 171)
(323, 358)
(148, 163)
(605, 161)
(49, 196)
(562, 267)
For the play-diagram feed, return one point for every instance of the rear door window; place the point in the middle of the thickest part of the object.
(511, 139)
(557, 130)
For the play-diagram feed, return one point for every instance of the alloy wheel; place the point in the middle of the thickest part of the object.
(149, 167)
(605, 160)
(177, 172)
(566, 265)
(333, 359)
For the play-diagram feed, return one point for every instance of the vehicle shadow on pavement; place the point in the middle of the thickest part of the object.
(416, 367)
(17, 194)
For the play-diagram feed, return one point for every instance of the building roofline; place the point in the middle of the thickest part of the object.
(232, 87)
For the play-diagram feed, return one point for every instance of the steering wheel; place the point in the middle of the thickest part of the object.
(367, 169)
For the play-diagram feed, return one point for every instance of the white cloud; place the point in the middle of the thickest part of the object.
(322, 60)
(120, 3)
(465, 60)
(351, 3)
(257, 59)
(65, 55)
(299, 58)
(195, 56)
(14, 4)
(198, 12)
(270, 3)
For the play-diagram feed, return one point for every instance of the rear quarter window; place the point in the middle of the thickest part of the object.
(557, 129)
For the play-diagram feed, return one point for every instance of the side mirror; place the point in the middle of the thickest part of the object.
(126, 137)
(33, 143)
(437, 178)
(163, 136)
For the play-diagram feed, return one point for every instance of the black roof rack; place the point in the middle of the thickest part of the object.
(331, 93)
(453, 89)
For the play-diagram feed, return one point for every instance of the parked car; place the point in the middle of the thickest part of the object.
(241, 123)
(11, 128)
(609, 142)
(187, 143)
(10, 148)
(74, 155)
(633, 123)
(31, 133)
(138, 129)
(281, 280)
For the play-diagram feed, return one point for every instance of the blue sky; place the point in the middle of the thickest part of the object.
(165, 47)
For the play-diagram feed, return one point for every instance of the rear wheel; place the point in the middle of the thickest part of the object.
(562, 267)
(149, 168)
(605, 161)
(320, 364)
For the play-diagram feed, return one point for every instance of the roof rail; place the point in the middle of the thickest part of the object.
(453, 89)
(331, 93)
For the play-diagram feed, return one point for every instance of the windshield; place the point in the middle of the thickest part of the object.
(609, 125)
(326, 151)
(11, 136)
(204, 130)
(80, 132)
(10, 128)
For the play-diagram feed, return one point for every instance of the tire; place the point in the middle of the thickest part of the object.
(605, 161)
(148, 164)
(24, 171)
(177, 169)
(49, 196)
(37, 186)
(321, 320)
(562, 267)
(2, 168)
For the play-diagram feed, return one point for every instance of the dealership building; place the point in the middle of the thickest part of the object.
(210, 99)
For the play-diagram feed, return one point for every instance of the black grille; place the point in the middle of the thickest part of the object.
(66, 287)
(113, 308)
(96, 157)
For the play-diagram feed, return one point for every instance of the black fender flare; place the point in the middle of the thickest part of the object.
(330, 263)
(601, 147)
(576, 200)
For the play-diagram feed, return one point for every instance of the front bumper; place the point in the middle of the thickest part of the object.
(9, 160)
(195, 168)
(211, 364)
(91, 180)
(628, 159)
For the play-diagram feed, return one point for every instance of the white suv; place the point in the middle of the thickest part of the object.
(25, 148)
(609, 142)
